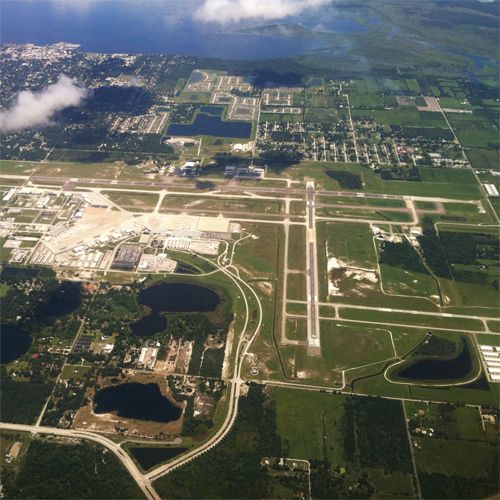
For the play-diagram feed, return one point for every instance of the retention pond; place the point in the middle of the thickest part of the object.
(434, 369)
(14, 342)
(149, 457)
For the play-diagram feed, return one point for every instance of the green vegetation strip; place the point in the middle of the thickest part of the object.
(297, 248)
(494, 326)
(417, 319)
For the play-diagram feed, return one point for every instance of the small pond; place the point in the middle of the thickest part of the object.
(209, 122)
(14, 342)
(151, 324)
(137, 401)
(439, 369)
(149, 457)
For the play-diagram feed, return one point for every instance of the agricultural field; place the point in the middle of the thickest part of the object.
(455, 450)
(336, 438)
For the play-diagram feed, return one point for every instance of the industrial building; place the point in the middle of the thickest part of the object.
(127, 257)
(249, 172)
(491, 360)
(491, 189)
(148, 357)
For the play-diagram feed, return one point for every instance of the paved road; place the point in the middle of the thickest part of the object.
(289, 191)
(406, 311)
(313, 335)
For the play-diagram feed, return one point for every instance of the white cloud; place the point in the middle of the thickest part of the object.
(32, 109)
(233, 11)
(135, 82)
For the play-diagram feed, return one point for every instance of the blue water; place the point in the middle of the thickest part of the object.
(136, 26)
(14, 342)
(137, 401)
(212, 124)
(149, 457)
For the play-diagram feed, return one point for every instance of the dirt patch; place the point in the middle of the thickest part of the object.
(266, 287)
(346, 281)
(226, 366)
(312, 374)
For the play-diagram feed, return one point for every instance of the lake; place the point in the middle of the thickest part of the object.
(455, 368)
(14, 342)
(137, 401)
(208, 121)
(131, 26)
(149, 457)
(13, 274)
(171, 298)
(179, 297)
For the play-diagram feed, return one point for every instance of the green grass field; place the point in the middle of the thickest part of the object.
(300, 416)
(474, 131)
(296, 329)
(396, 280)
(483, 158)
(403, 116)
(296, 286)
(19, 167)
(258, 255)
(456, 457)
(193, 203)
(447, 183)
(352, 243)
(76, 372)
(134, 202)
(297, 248)
(345, 346)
